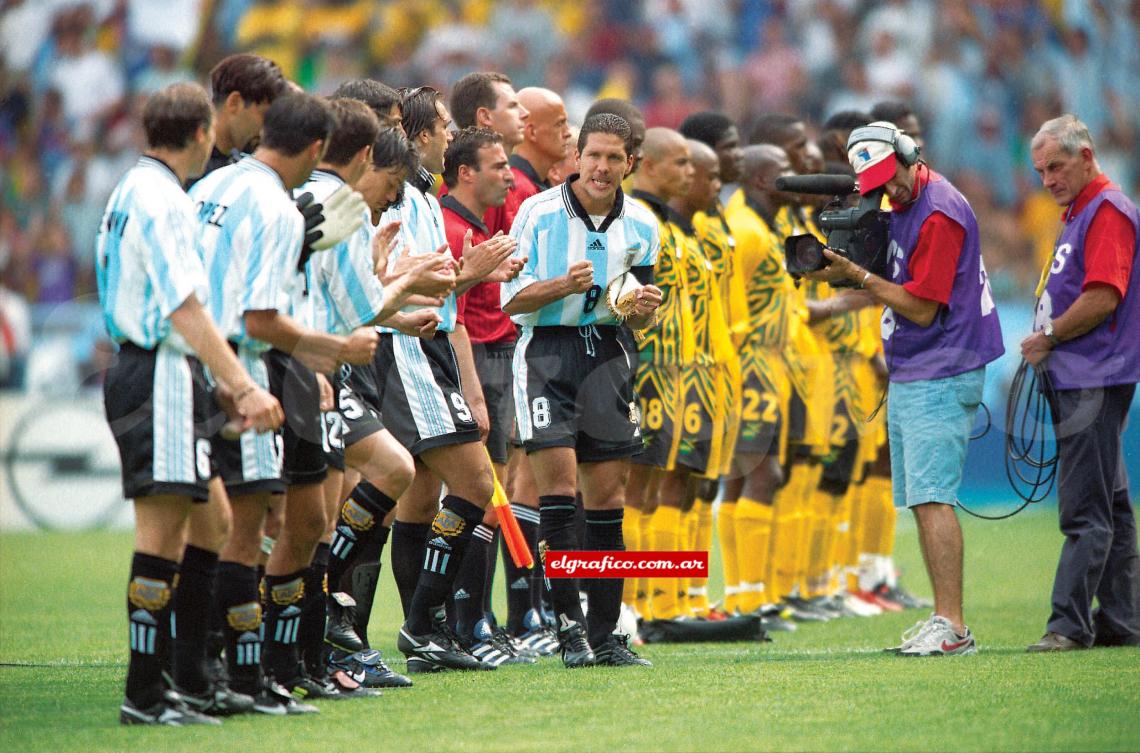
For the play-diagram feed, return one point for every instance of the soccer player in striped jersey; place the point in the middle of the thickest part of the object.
(347, 294)
(242, 86)
(425, 407)
(250, 241)
(574, 404)
(152, 286)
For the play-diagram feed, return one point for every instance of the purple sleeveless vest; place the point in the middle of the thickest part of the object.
(964, 335)
(1110, 354)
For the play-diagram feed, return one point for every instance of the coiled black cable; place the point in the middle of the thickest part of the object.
(1030, 464)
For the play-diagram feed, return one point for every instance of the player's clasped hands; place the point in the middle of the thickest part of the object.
(580, 277)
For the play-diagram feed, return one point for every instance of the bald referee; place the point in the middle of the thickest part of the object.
(151, 289)
(576, 413)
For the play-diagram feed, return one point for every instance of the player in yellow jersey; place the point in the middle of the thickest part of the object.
(658, 485)
(710, 415)
(766, 390)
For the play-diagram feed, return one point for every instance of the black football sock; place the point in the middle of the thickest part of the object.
(558, 534)
(193, 599)
(408, 540)
(603, 534)
(470, 583)
(358, 527)
(519, 585)
(451, 532)
(240, 599)
(149, 606)
(314, 609)
(489, 576)
(284, 595)
(361, 582)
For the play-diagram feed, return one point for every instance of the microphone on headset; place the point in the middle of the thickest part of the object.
(827, 185)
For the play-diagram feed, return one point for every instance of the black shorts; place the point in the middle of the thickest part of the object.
(420, 394)
(159, 408)
(493, 363)
(295, 385)
(574, 388)
(250, 464)
(839, 466)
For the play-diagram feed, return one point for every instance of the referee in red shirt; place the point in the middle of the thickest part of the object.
(1085, 338)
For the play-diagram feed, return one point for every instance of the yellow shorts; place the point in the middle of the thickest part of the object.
(731, 383)
(764, 397)
(702, 420)
(659, 393)
(811, 371)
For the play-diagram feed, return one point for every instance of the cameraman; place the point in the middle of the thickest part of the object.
(1085, 333)
(940, 329)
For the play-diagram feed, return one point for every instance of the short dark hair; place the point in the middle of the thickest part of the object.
(173, 115)
(607, 122)
(771, 128)
(708, 127)
(464, 150)
(847, 120)
(356, 128)
(255, 78)
(293, 122)
(624, 109)
(419, 110)
(473, 91)
(392, 149)
(891, 110)
(379, 96)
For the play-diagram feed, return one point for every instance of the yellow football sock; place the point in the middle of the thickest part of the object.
(664, 534)
(819, 541)
(754, 541)
(782, 557)
(685, 543)
(841, 539)
(702, 542)
(726, 532)
(879, 516)
(809, 517)
(631, 534)
(641, 598)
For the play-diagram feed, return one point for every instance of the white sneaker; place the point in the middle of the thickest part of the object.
(859, 607)
(936, 637)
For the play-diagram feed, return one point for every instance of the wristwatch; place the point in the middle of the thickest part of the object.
(1048, 330)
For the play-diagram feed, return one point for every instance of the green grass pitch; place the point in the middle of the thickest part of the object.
(826, 687)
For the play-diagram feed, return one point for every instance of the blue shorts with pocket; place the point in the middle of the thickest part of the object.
(929, 423)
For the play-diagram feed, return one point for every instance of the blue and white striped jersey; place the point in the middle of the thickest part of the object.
(344, 291)
(554, 231)
(421, 230)
(250, 242)
(146, 262)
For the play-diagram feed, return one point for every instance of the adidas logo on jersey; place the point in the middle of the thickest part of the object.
(596, 245)
(520, 585)
(439, 543)
(462, 594)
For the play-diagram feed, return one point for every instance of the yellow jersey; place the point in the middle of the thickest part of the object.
(669, 341)
(769, 291)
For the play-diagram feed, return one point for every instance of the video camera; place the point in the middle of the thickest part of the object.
(858, 233)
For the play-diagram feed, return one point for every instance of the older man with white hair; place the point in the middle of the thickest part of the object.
(1085, 324)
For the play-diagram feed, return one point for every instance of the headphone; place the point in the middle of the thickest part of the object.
(905, 149)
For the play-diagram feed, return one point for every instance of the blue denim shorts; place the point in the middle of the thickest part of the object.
(929, 424)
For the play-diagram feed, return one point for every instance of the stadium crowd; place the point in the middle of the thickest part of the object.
(75, 73)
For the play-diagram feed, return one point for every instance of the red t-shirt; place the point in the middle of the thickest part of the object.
(479, 309)
(1109, 240)
(934, 261)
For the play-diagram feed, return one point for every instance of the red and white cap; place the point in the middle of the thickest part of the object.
(874, 161)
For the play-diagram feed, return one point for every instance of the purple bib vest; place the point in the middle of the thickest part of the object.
(964, 335)
(1108, 355)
